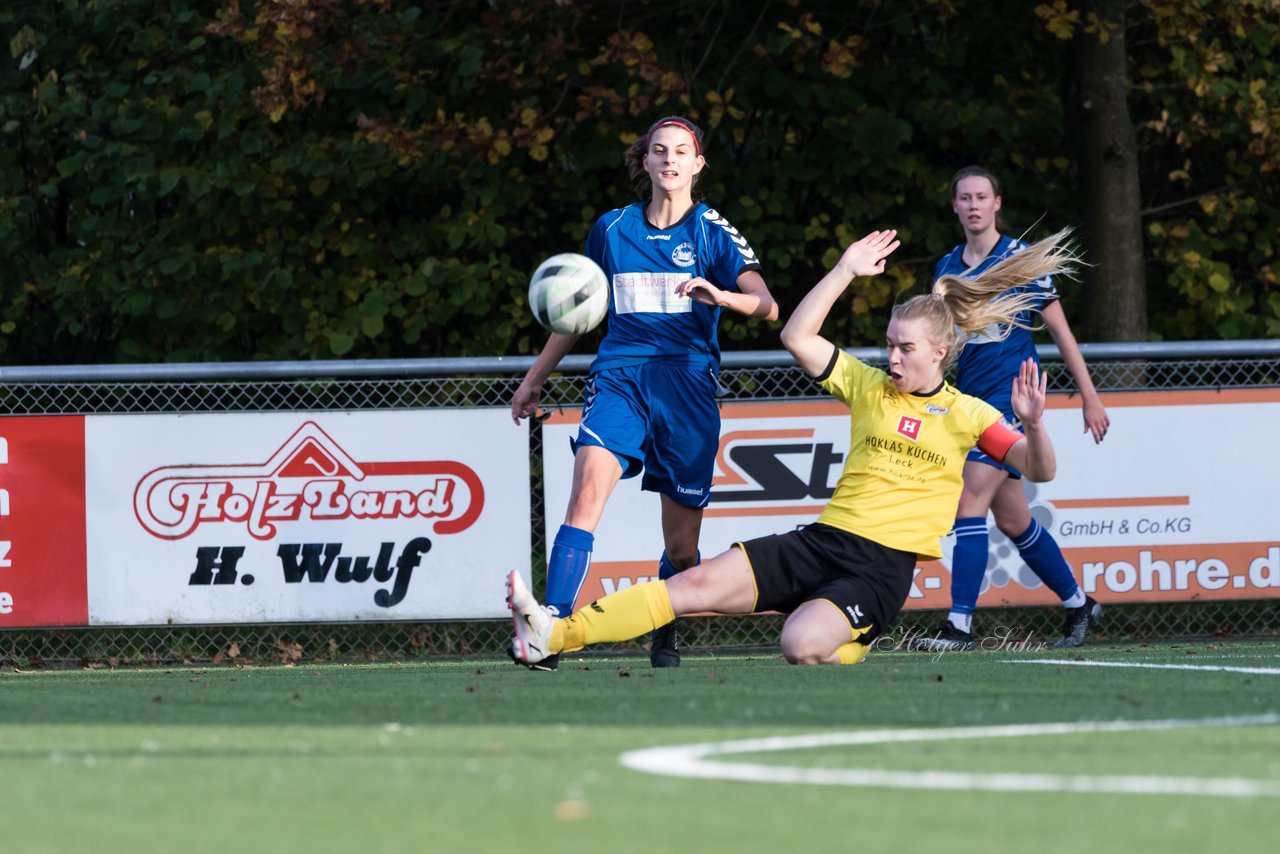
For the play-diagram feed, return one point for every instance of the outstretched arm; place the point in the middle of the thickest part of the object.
(1096, 420)
(524, 402)
(1033, 454)
(802, 334)
(752, 299)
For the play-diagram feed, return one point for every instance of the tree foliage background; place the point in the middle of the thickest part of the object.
(365, 178)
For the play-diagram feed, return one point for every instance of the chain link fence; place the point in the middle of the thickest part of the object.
(491, 383)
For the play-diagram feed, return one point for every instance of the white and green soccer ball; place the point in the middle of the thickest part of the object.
(569, 293)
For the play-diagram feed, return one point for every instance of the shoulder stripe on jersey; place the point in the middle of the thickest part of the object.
(617, 219)
(744, 248)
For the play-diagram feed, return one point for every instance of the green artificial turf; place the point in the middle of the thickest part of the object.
(484, 756)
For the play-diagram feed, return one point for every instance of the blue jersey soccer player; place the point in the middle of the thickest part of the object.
(651, 404)
(987, 365)
(843, 579)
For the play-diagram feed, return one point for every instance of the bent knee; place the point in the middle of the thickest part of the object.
(808, 653)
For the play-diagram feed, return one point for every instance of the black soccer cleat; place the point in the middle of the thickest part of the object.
(947, 639)
(664, 650)
(1078, 622)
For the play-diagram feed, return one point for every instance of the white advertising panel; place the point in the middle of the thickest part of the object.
(1176, 504)
(282, 517)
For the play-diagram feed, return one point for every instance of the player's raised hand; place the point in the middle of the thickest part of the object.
(700, 290)
(866, 257)
(1030, 388)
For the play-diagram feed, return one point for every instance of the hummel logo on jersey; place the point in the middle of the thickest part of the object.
(909, 427)
(658, 237)
(748, 254)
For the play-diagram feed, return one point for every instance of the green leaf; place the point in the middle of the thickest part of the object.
(198, 184)
(137, 302)
(169, 179)
(24, 40)
(102, 194)
(71, 165)
(168, 307)
(340, 343)
(415, 286)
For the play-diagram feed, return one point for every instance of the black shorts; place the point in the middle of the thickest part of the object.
(868, 582)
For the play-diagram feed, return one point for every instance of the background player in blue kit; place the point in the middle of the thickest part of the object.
(985, 369)
(651, 402)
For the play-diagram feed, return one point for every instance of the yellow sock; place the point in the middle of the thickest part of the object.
(851, 653)
(620, 616)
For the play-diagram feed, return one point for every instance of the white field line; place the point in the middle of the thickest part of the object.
(692, 760)
(1264, 671)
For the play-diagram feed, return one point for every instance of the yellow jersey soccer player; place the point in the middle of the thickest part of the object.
(844, 578)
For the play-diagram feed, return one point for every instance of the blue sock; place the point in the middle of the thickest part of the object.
(666, 569)
(968, 563)
(1040, 551)
(567, 568)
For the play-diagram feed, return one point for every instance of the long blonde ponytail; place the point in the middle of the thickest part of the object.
(971, 305)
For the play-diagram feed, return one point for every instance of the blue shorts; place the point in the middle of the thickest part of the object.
(976, 456)
(660, 418)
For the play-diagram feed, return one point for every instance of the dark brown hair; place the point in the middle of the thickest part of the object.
(634, 157)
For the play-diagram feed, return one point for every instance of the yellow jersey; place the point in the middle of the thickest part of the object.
(904, 472)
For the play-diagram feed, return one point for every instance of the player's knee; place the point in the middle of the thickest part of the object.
(691, 592)
(1012, 526)
(806, 651)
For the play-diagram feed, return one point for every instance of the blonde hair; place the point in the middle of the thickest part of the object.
(964, 306)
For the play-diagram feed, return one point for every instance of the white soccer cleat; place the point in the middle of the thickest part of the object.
(532, 623)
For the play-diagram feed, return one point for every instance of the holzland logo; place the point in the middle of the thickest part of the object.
(309, 477)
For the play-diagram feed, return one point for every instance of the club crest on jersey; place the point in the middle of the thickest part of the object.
(684, 255)
(909, 427)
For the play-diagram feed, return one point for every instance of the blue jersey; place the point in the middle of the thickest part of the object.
(987, 365)
(644, 264)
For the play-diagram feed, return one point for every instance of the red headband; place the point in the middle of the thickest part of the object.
(697, 147)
